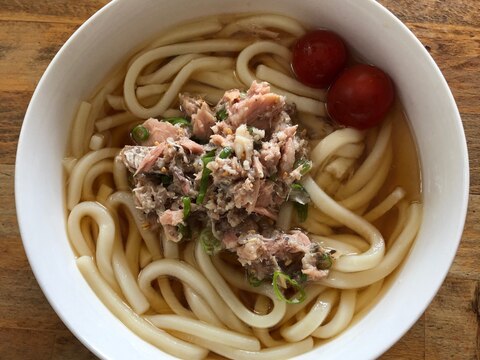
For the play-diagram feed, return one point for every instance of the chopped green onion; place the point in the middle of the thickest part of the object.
(253, 280)
(178, 120)
(139, 133)
(285, 281)
(298, 276)
(225, 153)
(186, 206)
(209, 243)
(324, 261)
(303, 277)
(207, 160)
(300, 197)
(210, 156)
(202, 191)
(183, 230)
(296, 186)
(305, 164)
(221, 114)
(165, 179)
(302, 211)
(298, 194)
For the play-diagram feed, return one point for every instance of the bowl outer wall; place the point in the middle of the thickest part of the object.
(107, 37)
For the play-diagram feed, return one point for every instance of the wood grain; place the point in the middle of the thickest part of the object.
(445, 336)
(31, 32)
(52, 11)
(40, 42)
(435, 11)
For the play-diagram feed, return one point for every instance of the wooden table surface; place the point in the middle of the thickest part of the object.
(31, 32)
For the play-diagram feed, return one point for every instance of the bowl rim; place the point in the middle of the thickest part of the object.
(22, 156)
(42, 282)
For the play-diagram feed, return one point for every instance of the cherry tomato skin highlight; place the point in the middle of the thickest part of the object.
(360, 97)
(318, 57)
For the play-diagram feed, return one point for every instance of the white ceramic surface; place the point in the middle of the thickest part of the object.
(110, 35)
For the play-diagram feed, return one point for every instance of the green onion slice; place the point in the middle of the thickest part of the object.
(297, 187)
(202, 191)
(253, 280)
(298, 194)
(306, 166)
(221, 114)
(283, 280)
(302, 277)
(186, 206)
(178, 120)
(139, 133)
(165, 179)
(183, 230)
(324, 261)
(225, 153)
(208, 157)
(209, 243)
(302, 211)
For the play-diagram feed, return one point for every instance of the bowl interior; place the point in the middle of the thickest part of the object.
(108, 37)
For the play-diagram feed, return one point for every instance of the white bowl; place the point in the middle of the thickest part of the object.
(111, 34)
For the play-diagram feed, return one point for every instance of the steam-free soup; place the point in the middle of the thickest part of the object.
(215, 208)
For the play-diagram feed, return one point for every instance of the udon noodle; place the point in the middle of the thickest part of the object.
(174, 295)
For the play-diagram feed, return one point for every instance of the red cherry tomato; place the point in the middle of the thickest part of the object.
(360, 97)
(318, 57)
